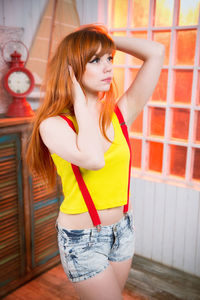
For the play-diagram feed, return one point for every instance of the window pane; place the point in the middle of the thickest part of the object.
(137, 124)
(140, 13)
(119, 79)
(132, 74)
(182, 86)
(164, 12)
(180, 123)
(196, 169)
(141, 35)
(178, 160)
(189, 12)
(197, 136)
(155, 156)
(119, 58)
(160, 92)
(163, 37)
(136, 146)
(157, 121)
(198, 90)
(185, 48)
(119, 13)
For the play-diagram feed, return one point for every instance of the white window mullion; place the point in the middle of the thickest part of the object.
(191, 137)
(145, 144)
(170, 83)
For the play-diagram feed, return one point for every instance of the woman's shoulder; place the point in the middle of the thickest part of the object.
(55, 122)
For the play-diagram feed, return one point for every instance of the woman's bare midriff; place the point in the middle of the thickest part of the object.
(83, 221)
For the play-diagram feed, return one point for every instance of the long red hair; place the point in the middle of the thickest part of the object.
(76, 49)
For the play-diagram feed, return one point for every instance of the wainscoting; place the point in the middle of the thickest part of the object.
(167, 221)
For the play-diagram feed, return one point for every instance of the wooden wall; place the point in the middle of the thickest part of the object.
(167, 222)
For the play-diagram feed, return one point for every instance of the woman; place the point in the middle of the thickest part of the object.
(79, 92)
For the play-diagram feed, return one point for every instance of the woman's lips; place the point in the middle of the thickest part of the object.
(107, 80)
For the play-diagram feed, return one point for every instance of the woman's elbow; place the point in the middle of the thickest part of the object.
(92, 162)
(97, 164)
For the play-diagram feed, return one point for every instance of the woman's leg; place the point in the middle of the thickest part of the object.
(121, 270)
(103, 286)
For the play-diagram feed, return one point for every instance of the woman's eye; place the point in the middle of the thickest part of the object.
(110, 58)
(95, 60)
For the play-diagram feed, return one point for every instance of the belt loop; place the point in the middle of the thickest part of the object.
(90, 239)
(98, 227)
(125, 214)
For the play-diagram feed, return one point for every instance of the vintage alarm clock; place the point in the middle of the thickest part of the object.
(18, 82)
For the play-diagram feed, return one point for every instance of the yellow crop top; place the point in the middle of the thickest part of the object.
(107, 186)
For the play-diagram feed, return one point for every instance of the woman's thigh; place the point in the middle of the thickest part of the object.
(121, 270)
(102, 286)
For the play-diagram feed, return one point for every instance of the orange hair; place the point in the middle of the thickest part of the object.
(76, 49)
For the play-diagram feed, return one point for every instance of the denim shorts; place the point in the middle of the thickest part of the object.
(85, 253)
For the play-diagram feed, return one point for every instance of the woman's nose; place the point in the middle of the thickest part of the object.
(107, 67)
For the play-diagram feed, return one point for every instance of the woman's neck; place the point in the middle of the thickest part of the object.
(93, 103)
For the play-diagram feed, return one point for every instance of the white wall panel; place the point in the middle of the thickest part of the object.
(147, 238)
(197, 264)
(180, 227)
(88, 11)
(22, 13)
(14, 13)
(191, 231)
(137, 197)
(158, 223)
(167, 224)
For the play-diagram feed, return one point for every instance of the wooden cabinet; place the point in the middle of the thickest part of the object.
(28, 211)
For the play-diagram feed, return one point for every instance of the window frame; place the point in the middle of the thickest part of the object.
(104, 16)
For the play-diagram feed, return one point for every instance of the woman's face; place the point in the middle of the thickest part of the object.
(98, 74)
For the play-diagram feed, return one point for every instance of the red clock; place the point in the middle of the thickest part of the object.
(18, 82)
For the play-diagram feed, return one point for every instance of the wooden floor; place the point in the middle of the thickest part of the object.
(147, 280)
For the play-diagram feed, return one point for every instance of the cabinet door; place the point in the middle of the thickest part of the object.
(12, 236)
(45, 207)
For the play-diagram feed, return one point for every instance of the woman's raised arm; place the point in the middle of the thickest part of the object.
(152, 53)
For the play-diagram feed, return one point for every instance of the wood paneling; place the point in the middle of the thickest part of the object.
(167, 221)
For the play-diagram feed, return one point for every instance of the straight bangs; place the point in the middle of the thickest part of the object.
(97, 44)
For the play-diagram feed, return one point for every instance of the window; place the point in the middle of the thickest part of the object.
(165, 137)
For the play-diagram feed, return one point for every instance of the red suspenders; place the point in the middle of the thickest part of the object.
(125, 132)
(83, 188)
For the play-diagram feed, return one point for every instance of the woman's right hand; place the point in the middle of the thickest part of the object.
(84, 148)
(77, 91)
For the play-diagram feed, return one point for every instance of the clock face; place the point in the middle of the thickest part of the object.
(19, 82)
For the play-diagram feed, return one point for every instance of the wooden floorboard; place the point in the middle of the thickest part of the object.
(147, 281)
(160, 282)
(54, 285)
